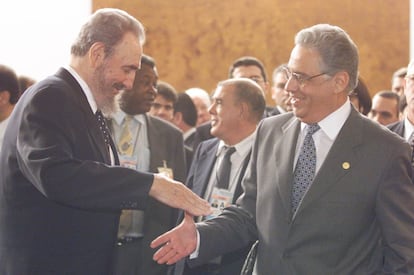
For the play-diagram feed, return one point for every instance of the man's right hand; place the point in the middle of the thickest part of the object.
(177, 195)
(177, 243)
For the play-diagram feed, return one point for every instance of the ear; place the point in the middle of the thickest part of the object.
(244, 111)
(341, 81)
(177, 118)
(97, 54)
(4, 97)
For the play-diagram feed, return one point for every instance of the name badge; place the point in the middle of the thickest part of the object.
(219, 199)
(165, 170)
(128, 161)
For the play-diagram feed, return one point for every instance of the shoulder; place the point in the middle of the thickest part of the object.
(163, 126)
(396, 126)
(208, 145)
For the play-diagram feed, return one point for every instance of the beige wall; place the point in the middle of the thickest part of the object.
(195, 41)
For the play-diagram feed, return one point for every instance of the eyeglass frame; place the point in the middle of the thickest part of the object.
(409, 77)
(300, 78)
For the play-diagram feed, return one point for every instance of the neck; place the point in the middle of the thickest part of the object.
(6, 111)
(241, 134)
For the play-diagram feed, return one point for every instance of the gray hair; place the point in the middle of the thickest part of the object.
(248, 91)
(337, 50)
(107, 26)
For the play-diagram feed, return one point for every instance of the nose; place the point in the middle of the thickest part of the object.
(129, 81)
(291, 85)
(211, 108)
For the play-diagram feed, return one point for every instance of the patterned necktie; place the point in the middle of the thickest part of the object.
(223, 173)
(103, 127)
(125, 144)
(305, 167)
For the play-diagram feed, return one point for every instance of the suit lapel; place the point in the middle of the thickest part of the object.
(93, 127)
(338, 162)
(285, 158)
(204, 167)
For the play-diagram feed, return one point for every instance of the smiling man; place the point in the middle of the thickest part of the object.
(150, 144)
(237, 108)
(60, 195)
(327, 190)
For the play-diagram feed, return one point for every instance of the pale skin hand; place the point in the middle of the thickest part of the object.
(177, 195)
(176, 243)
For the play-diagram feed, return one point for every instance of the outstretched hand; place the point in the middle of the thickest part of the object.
(176, 243)
(177, 195)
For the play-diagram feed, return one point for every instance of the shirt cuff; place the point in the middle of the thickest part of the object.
(196, 251)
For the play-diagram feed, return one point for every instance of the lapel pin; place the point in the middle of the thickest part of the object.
(346, 165)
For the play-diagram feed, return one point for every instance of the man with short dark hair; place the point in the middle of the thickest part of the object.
(9, 94)
(397, 81)
(163, 105)
(385, 107)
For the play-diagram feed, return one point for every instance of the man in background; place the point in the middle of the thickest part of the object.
(202, 102)
(185, 118)
(149, 144)
(279, 94)
(9, 95)
(397, 81)
(238, 106)
(243, 67)
(385, 107)
(163, 105)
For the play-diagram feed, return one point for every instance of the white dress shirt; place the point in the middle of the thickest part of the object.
(408, 129)
(91, 100)
(326, 135)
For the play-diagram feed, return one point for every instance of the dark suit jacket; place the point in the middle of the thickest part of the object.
(197, 180)
(397, 127)
(166, 143)
(202, 133)
(356, 218)
(60, 199)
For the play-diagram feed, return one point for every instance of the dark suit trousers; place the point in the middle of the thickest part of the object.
(128, 258)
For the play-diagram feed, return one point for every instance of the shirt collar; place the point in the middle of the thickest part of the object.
(332, 124)
(120, 115)
(242, 148)
(408, 128)
(85, 88)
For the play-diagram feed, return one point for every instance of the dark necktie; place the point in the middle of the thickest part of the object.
(103, 127)
(305, 167)
(223, 173)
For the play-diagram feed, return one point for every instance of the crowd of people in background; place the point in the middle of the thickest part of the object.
(187, 136)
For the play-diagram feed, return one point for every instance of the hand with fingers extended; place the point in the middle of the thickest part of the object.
(176, 243)
(177, 195)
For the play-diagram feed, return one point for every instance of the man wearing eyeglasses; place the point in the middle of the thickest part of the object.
(327, 191)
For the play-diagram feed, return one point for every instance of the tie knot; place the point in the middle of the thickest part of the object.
(128, 119)
(312, 128)
(229, 151)
(99, 115)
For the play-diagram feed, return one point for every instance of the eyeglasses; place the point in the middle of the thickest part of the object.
(410, 77)
(301, 79)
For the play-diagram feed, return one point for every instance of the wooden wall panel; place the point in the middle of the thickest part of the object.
(195, 41)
